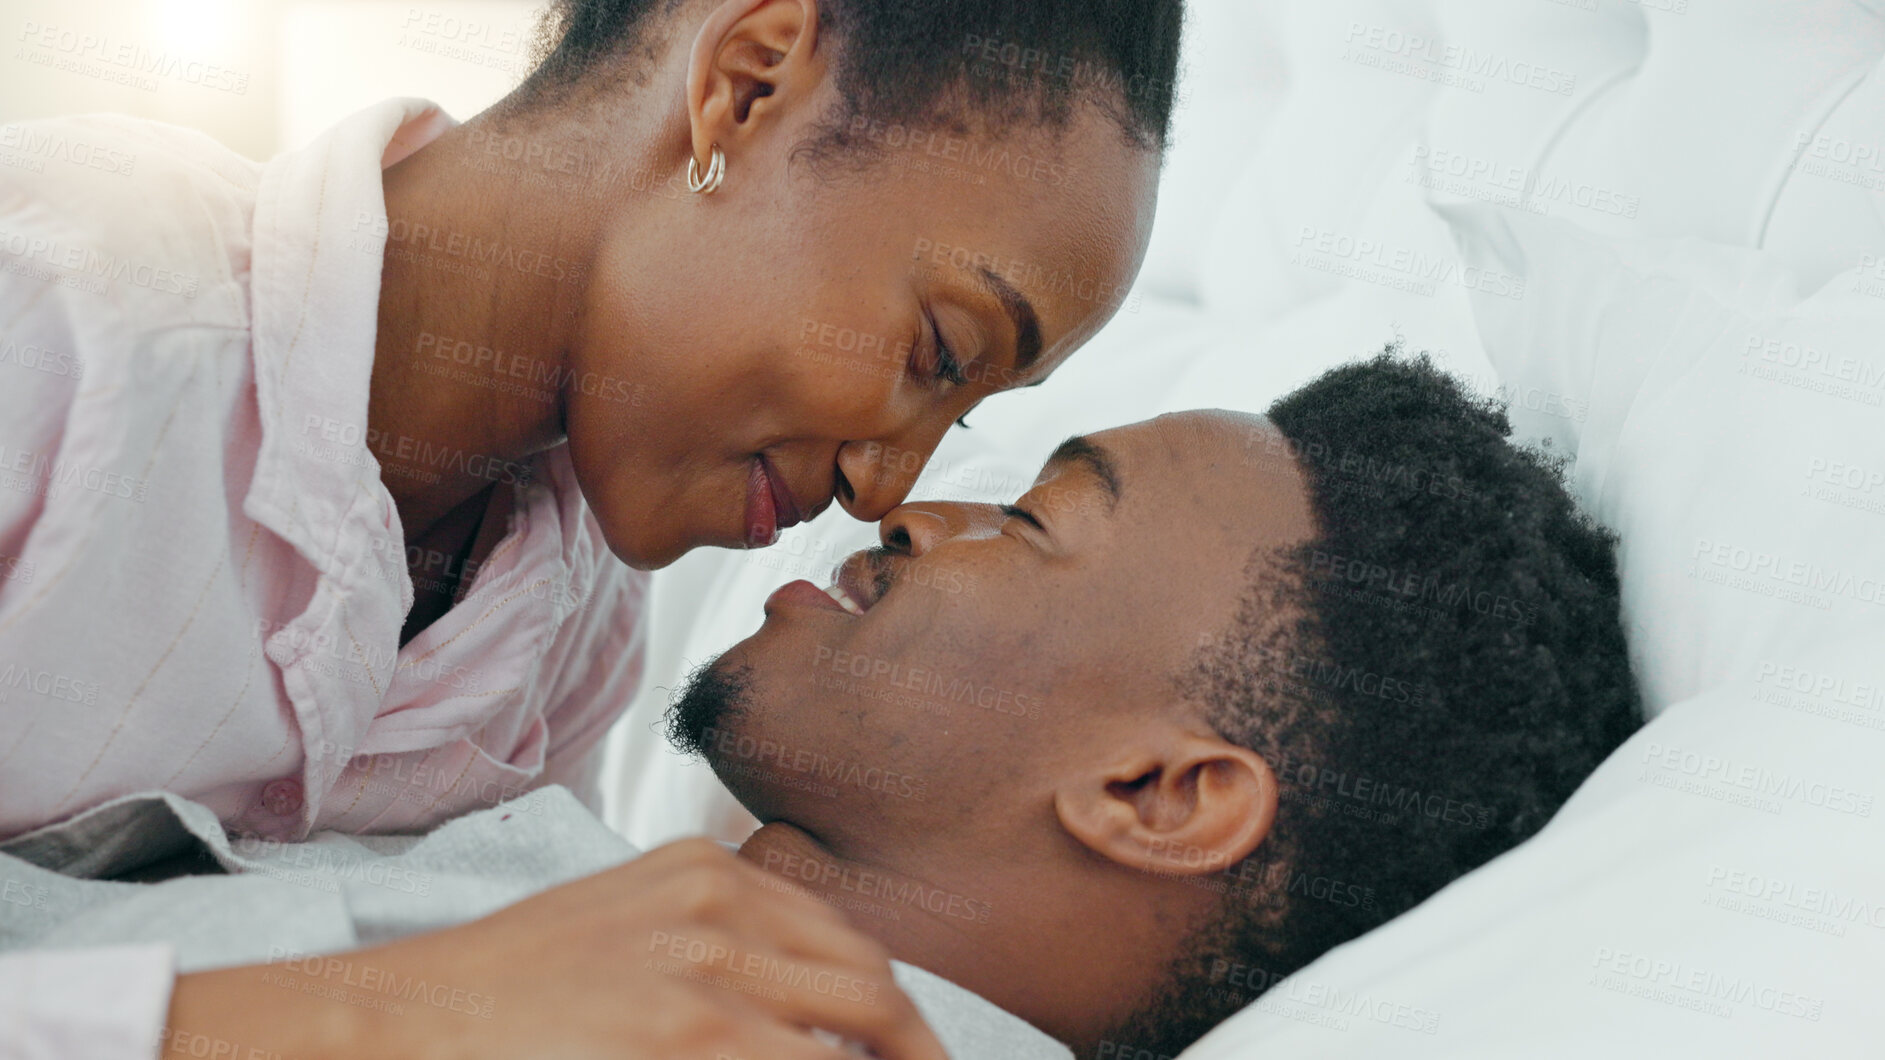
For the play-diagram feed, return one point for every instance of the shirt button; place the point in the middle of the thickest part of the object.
(282, 797)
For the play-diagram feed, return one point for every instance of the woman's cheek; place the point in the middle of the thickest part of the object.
(871, 357)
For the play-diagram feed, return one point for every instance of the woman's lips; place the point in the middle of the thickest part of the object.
(770, 505)
(762, 512)
(784, 504)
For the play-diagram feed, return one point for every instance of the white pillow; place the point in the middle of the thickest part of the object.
(1341, 129)
(1715, 888)
(1829, 214)
(1719, 431)
(1698, 135)
(1230, 85)
(1741, 121)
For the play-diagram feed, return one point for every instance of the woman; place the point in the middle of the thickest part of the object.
(317, 527)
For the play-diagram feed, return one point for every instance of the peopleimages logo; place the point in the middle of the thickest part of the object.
(554, 377)
(37, 144)
(1809, 900)
(1360, 465)
(1403, 584)
(100, 266)
(1807, 367)
(1478, 177)
(30, 896)
(49, 684)
(315, 862)
(1615, 968)
(40, 359)
(1712, 774)
(75, 50)
(316, 646)
(15, 569)
(1310, 779)
(930, 684)
(879, 885)
(347, 436)
(382, 982)
(702, 954)
(1399, 267)
(1027, 275)
(772, 755)
(1761, 570)
(410, 235)
(58, 475)
(1459, 59)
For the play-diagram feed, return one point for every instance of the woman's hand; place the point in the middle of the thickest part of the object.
(685, 952)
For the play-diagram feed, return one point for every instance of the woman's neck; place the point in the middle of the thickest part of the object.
(482, 287)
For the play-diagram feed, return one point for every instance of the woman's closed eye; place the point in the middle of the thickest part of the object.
(948, 368)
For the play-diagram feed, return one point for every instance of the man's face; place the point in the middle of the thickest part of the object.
(999, 649)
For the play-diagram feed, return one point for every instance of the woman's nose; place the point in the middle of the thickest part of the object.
(881, 474)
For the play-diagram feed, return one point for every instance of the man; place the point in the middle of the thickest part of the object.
(1215, 695)
(1218, 693)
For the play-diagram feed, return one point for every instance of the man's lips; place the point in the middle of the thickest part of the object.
(802, 593)
(855, 589)
(857, 579)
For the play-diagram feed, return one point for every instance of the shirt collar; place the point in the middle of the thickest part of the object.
(320, 237)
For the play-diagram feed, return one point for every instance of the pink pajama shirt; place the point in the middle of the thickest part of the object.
(202, 577)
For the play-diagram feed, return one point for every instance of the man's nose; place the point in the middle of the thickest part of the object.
(913, 529)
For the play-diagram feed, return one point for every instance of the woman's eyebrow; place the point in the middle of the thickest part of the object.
(1096, 458)
(1027, 323)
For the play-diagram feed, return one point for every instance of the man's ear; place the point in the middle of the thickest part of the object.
(1179, 803)
(749, 60)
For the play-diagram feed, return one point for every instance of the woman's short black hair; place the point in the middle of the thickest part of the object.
(922, 64)
(1430, 677)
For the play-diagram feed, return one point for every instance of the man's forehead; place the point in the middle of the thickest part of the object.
(1203, 438)
(1197, 498)
(1229, 470)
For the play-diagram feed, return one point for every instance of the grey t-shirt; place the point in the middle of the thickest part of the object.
(223, 902)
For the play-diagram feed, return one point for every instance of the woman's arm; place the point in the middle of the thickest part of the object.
(684, 952)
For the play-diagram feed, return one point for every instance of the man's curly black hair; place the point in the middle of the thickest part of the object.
(1430, 677)
(920, 64)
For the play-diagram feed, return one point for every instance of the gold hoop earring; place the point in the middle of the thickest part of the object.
(716, 172)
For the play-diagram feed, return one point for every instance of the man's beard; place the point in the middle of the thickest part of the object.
(708, 699)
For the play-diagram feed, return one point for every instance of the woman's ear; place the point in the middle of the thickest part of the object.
(1182, 804)
(749, 57)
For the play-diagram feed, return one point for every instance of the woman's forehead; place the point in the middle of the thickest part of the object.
(1062, 219)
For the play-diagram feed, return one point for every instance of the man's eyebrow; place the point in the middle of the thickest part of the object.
(1027, 323)
(1096, 458)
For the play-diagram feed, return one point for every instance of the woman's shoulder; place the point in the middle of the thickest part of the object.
(134, 224)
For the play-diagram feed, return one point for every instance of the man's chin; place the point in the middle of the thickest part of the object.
(714, 695)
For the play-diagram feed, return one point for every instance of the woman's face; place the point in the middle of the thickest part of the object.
(799, 337)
